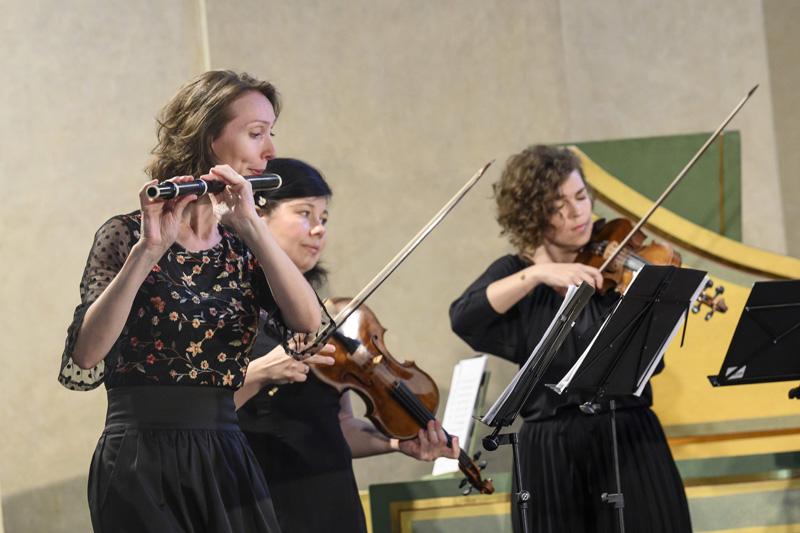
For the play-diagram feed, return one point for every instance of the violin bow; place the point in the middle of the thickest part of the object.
(677, 179)
(365, 293)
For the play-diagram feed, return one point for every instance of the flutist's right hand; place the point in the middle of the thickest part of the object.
(161, 218)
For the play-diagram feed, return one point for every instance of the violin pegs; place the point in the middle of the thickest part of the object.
(696, 308)
(476, 456)
(466, 491)
(709, 315)
(463, 482)
(719, 290)
(482, 465)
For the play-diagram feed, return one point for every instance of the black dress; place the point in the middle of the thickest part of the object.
(566, 456)
(171, 457)
(306, 460)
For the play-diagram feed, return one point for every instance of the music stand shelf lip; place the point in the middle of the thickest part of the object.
(717, 382)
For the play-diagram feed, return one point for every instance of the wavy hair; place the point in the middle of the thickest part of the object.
(195, 117)
(527, 191)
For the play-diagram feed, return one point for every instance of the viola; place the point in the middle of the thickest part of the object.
(618, 274)
(400, 398)
(634, 254)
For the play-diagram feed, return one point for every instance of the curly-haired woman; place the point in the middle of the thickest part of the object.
(545, 208)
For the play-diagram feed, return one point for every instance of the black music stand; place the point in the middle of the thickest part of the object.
(630, 345)
(505, 410)
(764, 345)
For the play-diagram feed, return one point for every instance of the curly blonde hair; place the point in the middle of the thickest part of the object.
(195, 117)
(527, 191)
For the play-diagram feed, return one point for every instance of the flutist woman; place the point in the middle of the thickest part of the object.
(169, 310)
(566, 456)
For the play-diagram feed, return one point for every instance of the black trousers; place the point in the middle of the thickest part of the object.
(567, 464)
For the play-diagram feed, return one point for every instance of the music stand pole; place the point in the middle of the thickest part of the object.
(617, 499)
(505, 410)
(522, 496)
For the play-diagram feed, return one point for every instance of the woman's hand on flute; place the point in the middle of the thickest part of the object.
(161, 219)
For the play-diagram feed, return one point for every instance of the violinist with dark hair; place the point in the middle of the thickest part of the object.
(545, 208)
(304, 433)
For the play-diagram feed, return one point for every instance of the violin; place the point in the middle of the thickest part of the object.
(618, 274)
(400, 398)
(631, 258)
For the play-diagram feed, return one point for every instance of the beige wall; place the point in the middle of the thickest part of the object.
(399, 103)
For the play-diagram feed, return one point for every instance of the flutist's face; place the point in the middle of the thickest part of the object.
(571, 224)
(246, 141)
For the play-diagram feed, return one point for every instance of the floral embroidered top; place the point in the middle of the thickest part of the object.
(193, 321)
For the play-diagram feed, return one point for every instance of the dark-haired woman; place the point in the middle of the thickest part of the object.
(170, 301)
(305, 436)
(566, 456)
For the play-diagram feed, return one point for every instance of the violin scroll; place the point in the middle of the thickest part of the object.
(473, 477)
(715, 303)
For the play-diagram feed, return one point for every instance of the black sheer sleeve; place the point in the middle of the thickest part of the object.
(111, 247)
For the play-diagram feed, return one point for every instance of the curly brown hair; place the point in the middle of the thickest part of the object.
(195, 117)
(527, 191)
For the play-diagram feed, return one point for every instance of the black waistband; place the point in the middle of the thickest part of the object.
(170, 407)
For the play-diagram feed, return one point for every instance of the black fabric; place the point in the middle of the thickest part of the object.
(172, 459)
(193, 319)
(514, 335)
(296, 438)
(566, 456)
(568, 465)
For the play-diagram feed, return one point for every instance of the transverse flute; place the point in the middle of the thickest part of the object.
(168, 190)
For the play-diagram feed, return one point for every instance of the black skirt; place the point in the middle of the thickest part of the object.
(172, 459)
(567, 465)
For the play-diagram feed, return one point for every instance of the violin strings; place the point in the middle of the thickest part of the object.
(417, 409)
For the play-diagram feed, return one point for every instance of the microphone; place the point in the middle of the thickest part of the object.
(168, 190)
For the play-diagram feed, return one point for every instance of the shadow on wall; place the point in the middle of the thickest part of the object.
(58, 508)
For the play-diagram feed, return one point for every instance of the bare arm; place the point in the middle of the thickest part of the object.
(364, 440)
(505, 293)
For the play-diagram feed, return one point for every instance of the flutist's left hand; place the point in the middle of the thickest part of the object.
(234, 206)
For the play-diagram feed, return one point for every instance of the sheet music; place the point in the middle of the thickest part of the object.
(457, 419)
(489, 418)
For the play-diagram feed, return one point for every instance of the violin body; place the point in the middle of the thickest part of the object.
(400, 398)
(372, 372)
(634, 255)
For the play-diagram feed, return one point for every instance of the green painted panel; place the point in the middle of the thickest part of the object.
(649, 165)
(382, 495)
(473, 524)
